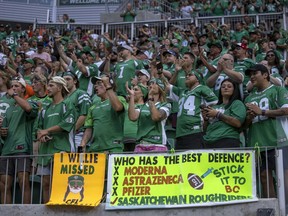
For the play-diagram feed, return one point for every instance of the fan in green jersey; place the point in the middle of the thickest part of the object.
(125, 70)
(81, 103)
(105, 118)
(189, 131)
(16, 131)
(224, 119)
(151, 117)
(225, 69)
(264, 106)
(55, 130)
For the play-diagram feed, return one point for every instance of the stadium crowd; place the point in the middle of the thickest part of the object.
(202, 8)
(217, 87)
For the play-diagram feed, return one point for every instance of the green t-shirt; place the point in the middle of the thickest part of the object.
(149, 130)
(20, 126)
(219, 9)
(62, 115)
(264, 131)
(218, 129)
(189, 119)
(107, 126)
(125, 72)
(128, 16)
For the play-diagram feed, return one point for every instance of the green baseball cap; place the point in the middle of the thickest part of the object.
(158, 82)
(75, 177)
(31, 61)
(143, 89)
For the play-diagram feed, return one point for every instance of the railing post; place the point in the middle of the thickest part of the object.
(48, 15)
(103, 29)
(257, 20)
(281, 181)
(132, 30)
(54, 12)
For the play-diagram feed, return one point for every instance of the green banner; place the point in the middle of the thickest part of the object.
(88, 2)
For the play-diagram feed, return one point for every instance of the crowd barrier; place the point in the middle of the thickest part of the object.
(132, 28)
(36, 181)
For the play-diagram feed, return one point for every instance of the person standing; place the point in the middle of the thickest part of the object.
(105, 119)
(189, 120)
(81, 102)
(151, 117)
(129, 14)
(55, 130)
(16, 131)
(264, 105)
(125, 70)
(222, 122)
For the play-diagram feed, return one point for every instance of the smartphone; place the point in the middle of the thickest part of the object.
(80, 149)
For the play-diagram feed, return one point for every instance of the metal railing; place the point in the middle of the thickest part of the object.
(36, 181)
(160, 26)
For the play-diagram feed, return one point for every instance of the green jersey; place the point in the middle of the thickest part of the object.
(149, 130)
(180, 82)
(218, 8)
(218, 129)
(85, 82)
(20, 125)
(237, 35)
(128, 16)
(2, 35)
(241, 66)
(260, 57)
(271, 8)
(125, 72)
(80, 101)
(42, 103)
(5, 102)
(214, 63)
(107, 126)
(265, 131)
(189, 119)
(12, 41)
(62, 115)
(234, 10)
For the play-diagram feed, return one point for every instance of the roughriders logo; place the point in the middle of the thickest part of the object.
(75, 186)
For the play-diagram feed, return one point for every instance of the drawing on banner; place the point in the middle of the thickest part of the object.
(75, 186)
(78, 179)
(196, 182)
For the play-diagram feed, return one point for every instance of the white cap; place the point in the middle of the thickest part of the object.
(61, 81)
(20, 80)
(143, 71)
